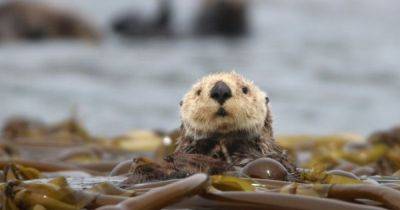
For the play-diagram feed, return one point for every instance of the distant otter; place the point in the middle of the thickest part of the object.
(135, 24)
(229, 118)
(223, 17)
(35, 21)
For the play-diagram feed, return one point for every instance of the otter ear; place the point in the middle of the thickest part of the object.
(180, 103)
(266, 100)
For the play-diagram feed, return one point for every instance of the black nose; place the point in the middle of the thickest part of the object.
(220, 92)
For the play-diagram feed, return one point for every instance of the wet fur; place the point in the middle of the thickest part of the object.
(249, 134)
(212, 144)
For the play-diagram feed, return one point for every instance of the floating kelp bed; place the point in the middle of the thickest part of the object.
(63, 167)
(196, 192)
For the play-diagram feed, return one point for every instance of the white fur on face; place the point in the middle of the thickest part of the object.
(246, 112)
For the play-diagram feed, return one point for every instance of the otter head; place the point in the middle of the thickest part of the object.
(222, 103)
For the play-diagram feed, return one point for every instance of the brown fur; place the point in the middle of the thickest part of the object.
(177, 165)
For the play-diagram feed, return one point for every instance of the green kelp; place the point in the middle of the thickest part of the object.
(318, 174)
(22, 129)
(56, 194)
(337, 172)
(14, 172)
(230, 183)
(20, 195)
(379, 154)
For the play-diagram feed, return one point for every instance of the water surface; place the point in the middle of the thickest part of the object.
(328, 66)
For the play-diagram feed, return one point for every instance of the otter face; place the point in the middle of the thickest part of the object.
(223, 103)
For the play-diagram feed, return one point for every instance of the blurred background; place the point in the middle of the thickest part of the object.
(328, 66)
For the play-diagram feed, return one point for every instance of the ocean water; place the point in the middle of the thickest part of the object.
(328, 66)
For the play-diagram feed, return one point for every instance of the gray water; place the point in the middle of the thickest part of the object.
(328, 66)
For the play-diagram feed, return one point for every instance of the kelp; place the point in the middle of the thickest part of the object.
(331, 158)
(387, 196)
(57, 194)
(143, 141)
(165, 195)
(46, 166)
(335, 186)
(324, 160)
(318, 174)
(230, 183)
(109, 189)
(85, 154)
(13, 172)
(322, 182)
(20, 195)
(314, 190)
(304, 142)
(27, 129)
(365, 156)
(380, 152)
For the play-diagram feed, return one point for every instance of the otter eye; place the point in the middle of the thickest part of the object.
(266, 100)
(198, 92)
(180, 103)
(245, 90)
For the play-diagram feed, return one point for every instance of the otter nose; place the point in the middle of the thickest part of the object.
(220, 92)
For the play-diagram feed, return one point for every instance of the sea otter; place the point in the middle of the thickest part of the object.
(137, 24)
(229, 118)
(34, 21)
(226, 122)
(223, 17)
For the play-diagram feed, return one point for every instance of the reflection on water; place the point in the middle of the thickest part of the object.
(328, 66)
